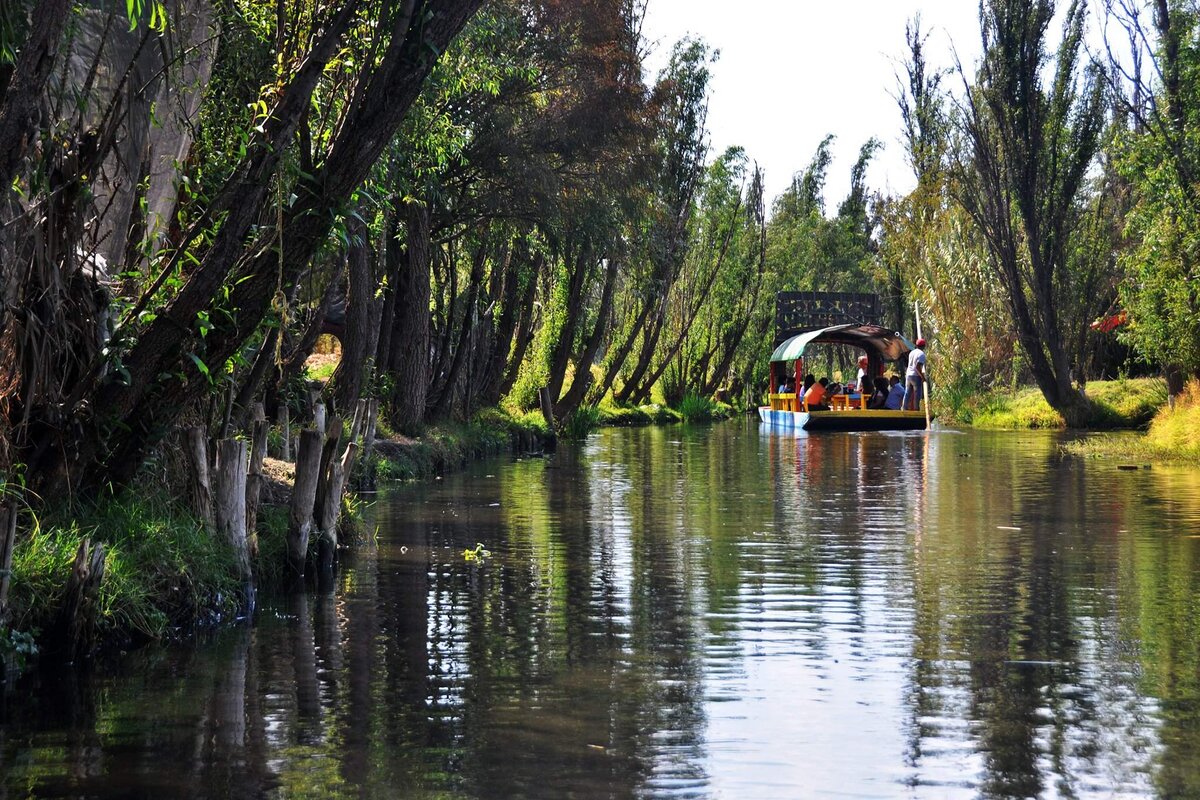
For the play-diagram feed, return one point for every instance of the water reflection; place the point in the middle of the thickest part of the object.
(690, 612)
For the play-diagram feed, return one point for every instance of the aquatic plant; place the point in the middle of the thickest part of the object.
(580, 422)
(694, 408)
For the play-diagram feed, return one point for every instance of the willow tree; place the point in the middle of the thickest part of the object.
(1031, 144)
(211, 288)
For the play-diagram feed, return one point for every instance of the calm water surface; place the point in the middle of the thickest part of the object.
(690, 612)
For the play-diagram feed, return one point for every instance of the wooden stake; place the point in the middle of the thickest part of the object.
(304, 496)
(76, 625)
(230, 507)
(256, 478)
(285, 421)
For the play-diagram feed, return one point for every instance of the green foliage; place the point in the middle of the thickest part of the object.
(580, 422)
(16, 648)
(694, 408)
(162, 568)
(1177, 431)
(1160, 162)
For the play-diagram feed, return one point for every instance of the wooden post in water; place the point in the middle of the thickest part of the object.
(304, 496)
(328, 504)
(256, 478)
(319, 417)
(75, 628)
(229, 507)
(547, 404)
(369, 437)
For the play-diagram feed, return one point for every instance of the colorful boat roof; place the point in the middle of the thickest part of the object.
(890, 345)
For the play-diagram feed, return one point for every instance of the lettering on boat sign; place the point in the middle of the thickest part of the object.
(797, 312)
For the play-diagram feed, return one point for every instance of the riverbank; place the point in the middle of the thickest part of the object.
(166, 573)
(1173, 436)
(1125, 404)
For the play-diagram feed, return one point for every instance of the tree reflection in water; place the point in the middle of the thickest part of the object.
(689, 611)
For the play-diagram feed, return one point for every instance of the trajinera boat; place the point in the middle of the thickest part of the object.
(848, 412)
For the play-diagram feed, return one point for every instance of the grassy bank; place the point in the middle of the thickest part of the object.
(1120, 404)
(691, 409)
(165, 573)
(162, 569)
(1173, 436)
(449, 447)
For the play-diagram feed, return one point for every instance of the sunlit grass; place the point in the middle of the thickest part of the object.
(1123, 403)
(1174, 435)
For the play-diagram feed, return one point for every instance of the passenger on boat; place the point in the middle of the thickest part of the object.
(863, 383)
(914, 378)
(814, 397)
(879, 397)
(895, 398)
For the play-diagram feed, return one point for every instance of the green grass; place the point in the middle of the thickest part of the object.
(449, 446)
(614, 416)
(1123, 403)
(581, 422)
(694, 408)
(162, 569)
(1173, 437)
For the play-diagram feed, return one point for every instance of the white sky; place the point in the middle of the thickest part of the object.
(792, 71)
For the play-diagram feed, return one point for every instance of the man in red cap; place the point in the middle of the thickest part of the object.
(914, 378)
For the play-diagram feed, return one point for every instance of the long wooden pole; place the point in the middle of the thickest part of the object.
(925, 376)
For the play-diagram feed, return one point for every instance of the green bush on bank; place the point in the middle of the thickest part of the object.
(162, 569)
(448, 446)
(1174, 435)
(1122, 403)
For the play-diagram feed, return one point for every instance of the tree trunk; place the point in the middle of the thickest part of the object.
(199, 485)
(464, 337)
(360, 299)
(525, 329)
(650, 336)
(502, 335)
(229, 495)
(410, 337)
(23, 94)
(618, 359)
(561, 355)
(304, 498)
(583, 367)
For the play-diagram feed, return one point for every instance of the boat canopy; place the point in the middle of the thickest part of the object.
(890, 345)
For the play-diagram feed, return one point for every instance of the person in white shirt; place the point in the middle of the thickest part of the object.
(914, 378)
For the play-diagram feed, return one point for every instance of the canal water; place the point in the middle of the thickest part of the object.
(689, 612)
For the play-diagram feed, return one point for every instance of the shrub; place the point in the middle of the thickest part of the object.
(1177, 431)
(694, 408)
(580, 422)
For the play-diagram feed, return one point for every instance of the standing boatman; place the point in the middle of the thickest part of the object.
(914, 377)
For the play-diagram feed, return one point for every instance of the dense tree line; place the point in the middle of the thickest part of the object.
(489, 199)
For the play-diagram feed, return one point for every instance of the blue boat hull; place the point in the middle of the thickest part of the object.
(853, 420)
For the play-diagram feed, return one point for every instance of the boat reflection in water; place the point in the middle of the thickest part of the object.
(690, 612)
